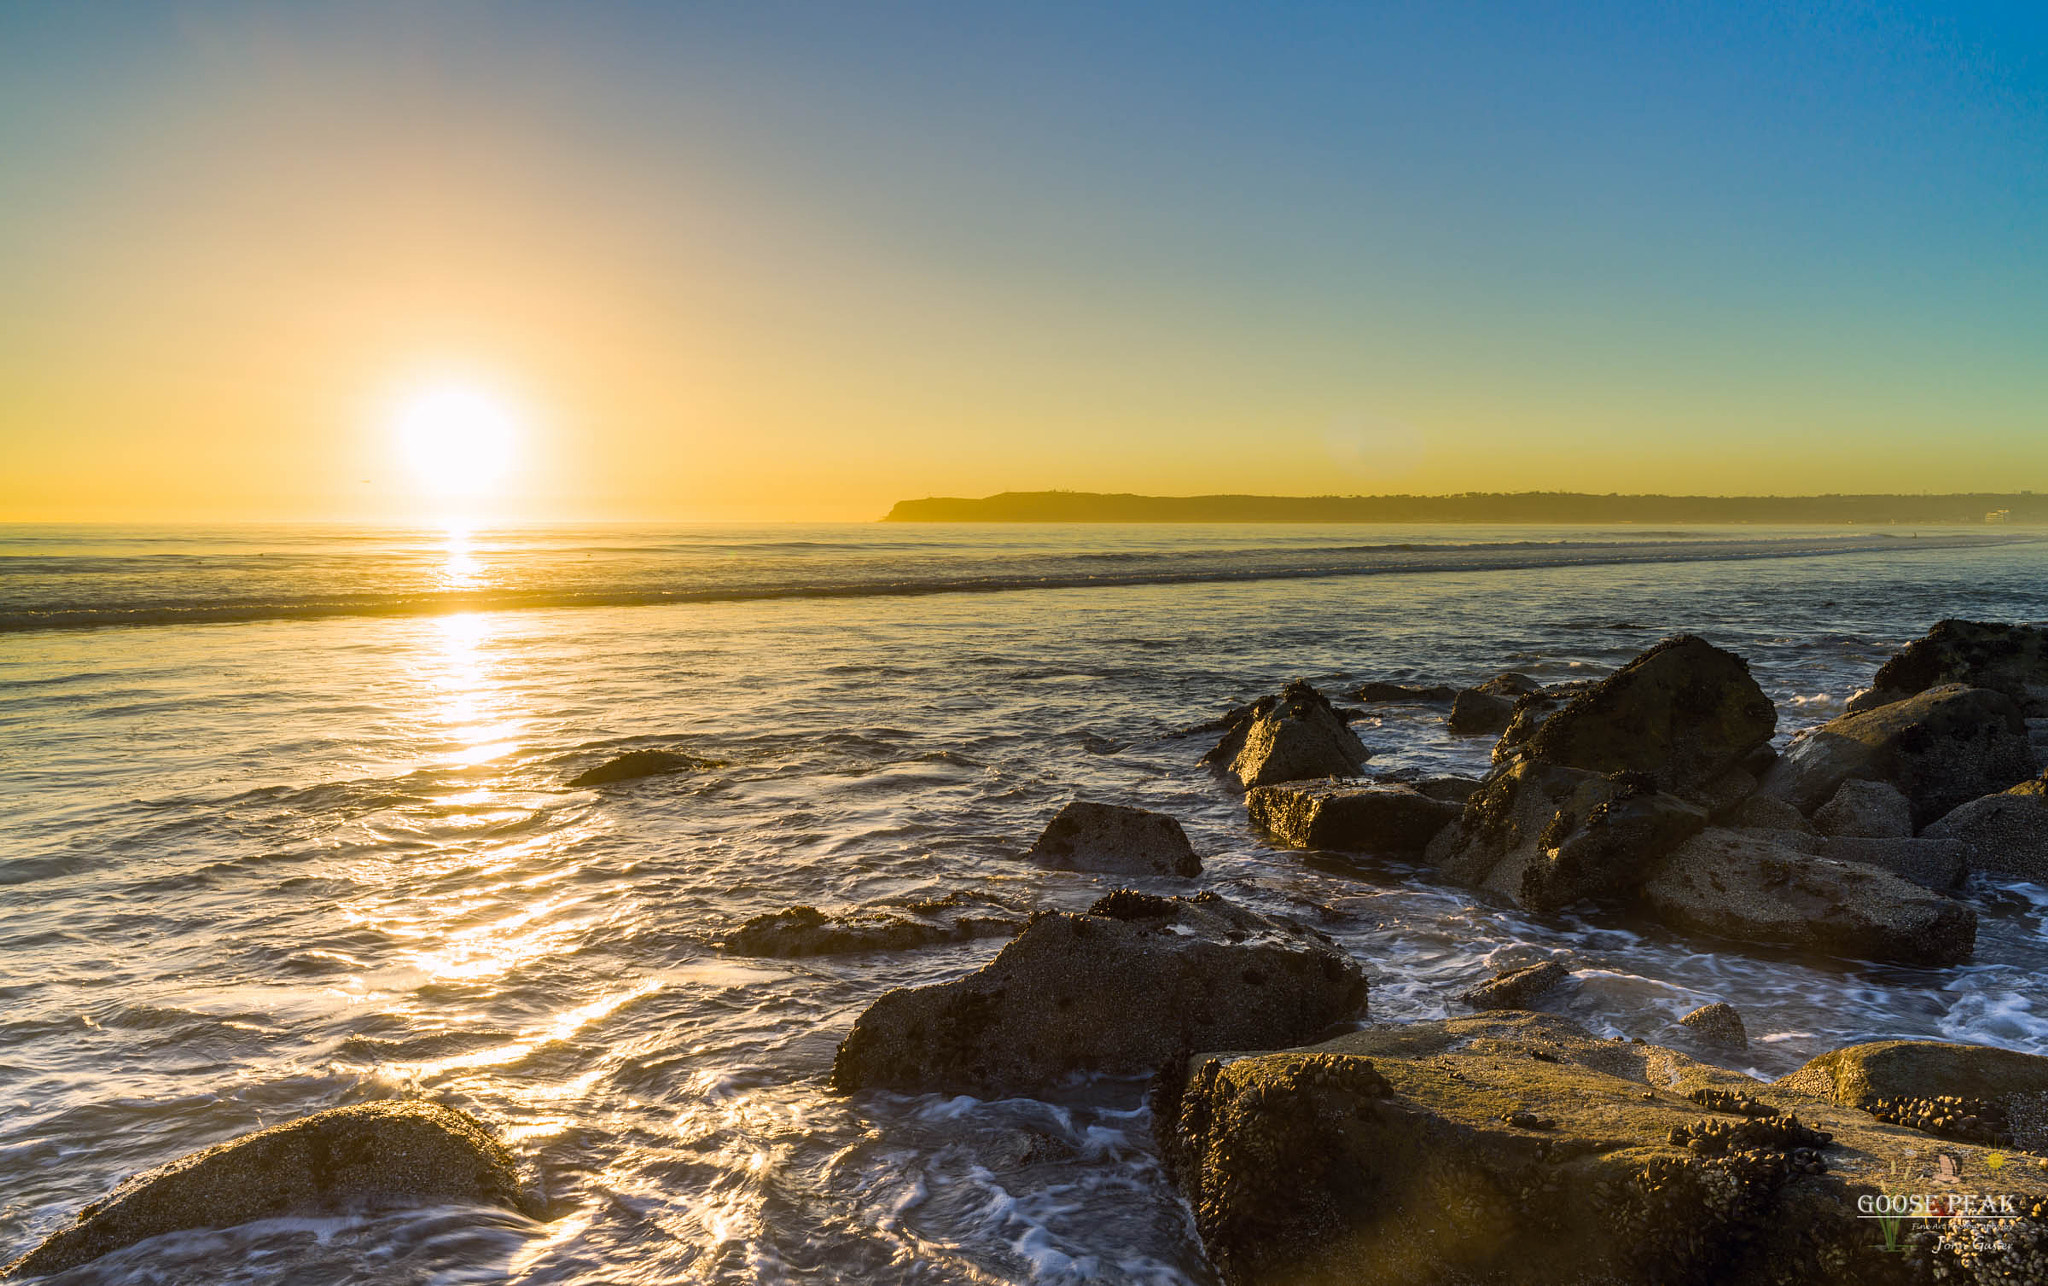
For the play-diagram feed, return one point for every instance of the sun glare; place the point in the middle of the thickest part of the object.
(458, 440)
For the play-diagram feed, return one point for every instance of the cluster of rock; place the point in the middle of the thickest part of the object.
(1658, 788)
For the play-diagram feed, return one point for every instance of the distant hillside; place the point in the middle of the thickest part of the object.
(1510, 507)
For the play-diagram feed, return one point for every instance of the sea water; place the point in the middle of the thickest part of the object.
(285, 824)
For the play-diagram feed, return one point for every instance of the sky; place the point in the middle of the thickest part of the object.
(763, 261)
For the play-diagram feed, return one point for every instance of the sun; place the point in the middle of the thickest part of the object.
(458, 439)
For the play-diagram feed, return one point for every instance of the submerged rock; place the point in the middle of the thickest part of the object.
(1683, 714)
(1548, 836)
(1517, 988)
(1940, 748)
(806, 931)
(1116, 839)
(1405, 693)
(1485, 709)
(1731, 884)
(1717, 1024)
(1359, 819)
(1519, 1149)
(391, 1152)
(1865, 810)
(2012, 659)
(635, 764)
(1295, 735)
(1931, 863)
(2005, 834)
(1121, 989)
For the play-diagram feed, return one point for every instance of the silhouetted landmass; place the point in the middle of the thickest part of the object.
(1477, 506)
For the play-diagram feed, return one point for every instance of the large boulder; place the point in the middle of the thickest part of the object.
(806, 931)
(1294, 735)
(1116, 839)
(1865, 810)
(390, 1152)
(1486, 708)
(1517, 988)
(1940, 748)
(1120, 990)
(1738, 886)
(2012, 659)
(1683, 713)
(1548, 836)
(1361, 819)
(1518, 1149)
(2006, 834)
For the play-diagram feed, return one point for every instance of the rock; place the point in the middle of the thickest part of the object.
(2006, 834)
(1517, 988)
(1485, 710)
(1532, 712)
(1455, 789)
(1762, 812)
(1406, 693)
(2012, 659)
(1683, 713)
(1548, 836)
(635, 764)
(1121, 989)
(1865, 810)
(2037, 788)
(1717, 1024)
(1733, 885)
(1519, 1149)
(1929, 863)
(1939, 748)
(1116, 839)
(393, 1151)
(1358, 819)
(1887, 1069)
(1295, 735)
(1806, 841)
(807, 931)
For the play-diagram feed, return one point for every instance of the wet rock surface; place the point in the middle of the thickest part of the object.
(1683, 714)
(395, 1152)
(1865, 810)
(2012, 659)
(1548, 836)
(1117, 840)
(1517, 988)
(1396, 819)
(1518, 1148)
(1733, 885)
(1941, 748)
(806, 931)
(1120, 989)
(1294, 735)
(2005, 834)
(1930, 863)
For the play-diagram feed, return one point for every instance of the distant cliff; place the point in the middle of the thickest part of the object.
(1512, 507)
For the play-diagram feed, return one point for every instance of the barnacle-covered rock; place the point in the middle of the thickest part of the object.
(1518, 1148)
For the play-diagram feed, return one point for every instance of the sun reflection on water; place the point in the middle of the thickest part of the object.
(473, 706)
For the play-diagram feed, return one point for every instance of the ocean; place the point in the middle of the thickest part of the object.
(285, 824)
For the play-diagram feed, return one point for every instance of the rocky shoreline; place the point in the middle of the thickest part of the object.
(1510, 1146)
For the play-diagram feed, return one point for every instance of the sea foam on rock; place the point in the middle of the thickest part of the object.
(1519, 1149)
(390, 1152)
(1120, 989)
(1293, 735)
(1116, 839)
